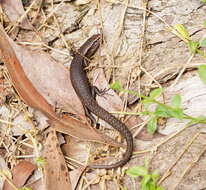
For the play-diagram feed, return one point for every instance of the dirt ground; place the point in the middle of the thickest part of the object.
(142, 53)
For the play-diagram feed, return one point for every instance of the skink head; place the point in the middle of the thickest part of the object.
(91, 45)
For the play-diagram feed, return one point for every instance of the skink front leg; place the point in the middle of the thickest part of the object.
(96, 91)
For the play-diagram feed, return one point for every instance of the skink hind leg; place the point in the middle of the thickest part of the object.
(94, 91)
(91, 117)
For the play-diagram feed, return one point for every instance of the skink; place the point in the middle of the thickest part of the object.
(85, 93)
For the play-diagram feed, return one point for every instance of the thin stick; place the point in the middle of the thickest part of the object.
(182, 71)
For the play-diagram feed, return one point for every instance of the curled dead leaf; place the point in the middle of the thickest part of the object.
(20, 174)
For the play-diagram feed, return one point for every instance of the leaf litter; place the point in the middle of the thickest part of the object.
(33, 98)
(20, 174)
(59, 105)
(16, 57)
(15, 10)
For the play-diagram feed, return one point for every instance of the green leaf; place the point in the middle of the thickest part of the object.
(162, 111)
(160, 188)
(202, 73)
(145, 187)
(177, 113)
(165, 112)
(204, 1)
(152, 125)
(182, 30)
(132, 92)
(145, 181)
(200, 52)
(147, 101)
(203, 43)
(152, 186)
(137, 171)
(204, 23)
(155, 176)
(193, 46)
(24, 188)
(176, 101)
(155, 93)
(116, 86)
(40, 161)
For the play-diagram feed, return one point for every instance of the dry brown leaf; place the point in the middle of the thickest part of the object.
(14, 10)
(56, 174)
(19, 79)
(20, 173)
(85, 132)
(50, 78)
(34, 99)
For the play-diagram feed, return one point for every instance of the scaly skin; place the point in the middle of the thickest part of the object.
(83, 89)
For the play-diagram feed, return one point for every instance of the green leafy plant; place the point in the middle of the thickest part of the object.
(174, 110)
(194, 46)
(204, 1)
(162, 110)
(148, 181)
(202, 73)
